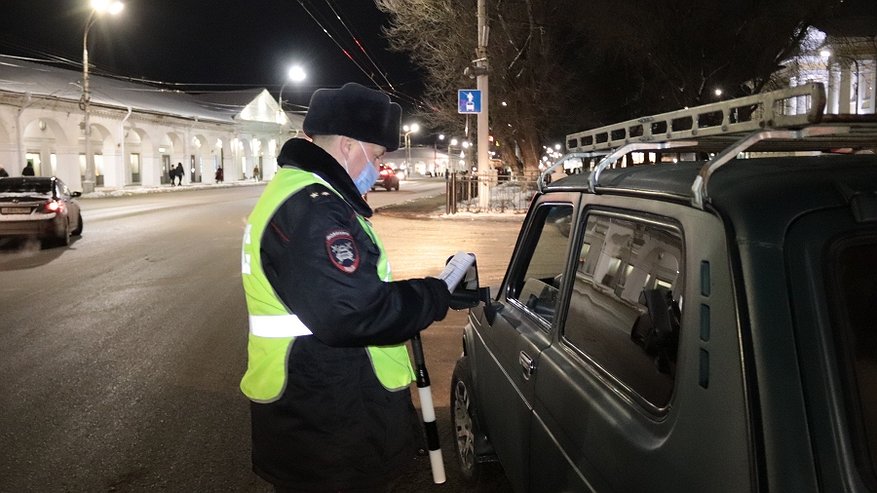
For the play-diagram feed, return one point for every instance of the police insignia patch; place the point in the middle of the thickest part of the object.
(342, 251)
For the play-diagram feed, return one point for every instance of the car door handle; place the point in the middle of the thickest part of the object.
(527, 365)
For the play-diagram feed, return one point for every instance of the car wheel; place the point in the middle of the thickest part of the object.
(469, 441)
(63, 238)
(78, 230)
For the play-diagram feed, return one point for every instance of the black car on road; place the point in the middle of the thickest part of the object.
(39, 207)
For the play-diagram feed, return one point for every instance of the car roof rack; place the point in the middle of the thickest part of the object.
(786, 120)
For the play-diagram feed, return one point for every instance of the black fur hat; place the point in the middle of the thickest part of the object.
(357, 112)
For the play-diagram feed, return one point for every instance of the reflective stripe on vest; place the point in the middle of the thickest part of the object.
(273, 328)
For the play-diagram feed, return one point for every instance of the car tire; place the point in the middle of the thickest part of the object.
(469, 441)
(78, 230)
(62, 239)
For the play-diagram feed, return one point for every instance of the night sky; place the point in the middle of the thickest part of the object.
(213, 45)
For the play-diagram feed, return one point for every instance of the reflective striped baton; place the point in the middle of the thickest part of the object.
(426, 407)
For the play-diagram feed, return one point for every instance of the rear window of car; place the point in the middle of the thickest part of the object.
(25, 185)
(854, 297)
(624, 312)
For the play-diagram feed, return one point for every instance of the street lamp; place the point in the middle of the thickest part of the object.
(459, 160)
(409, 129)
(97, 7)
(295, 75)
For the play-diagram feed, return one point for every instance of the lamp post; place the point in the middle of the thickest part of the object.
(435, 166)
(97, 7)
(458, 184)
(409, 129)
(463, 146)
(295, 75)
(454, 160)
(451, 179)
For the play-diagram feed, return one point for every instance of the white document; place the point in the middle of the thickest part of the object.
(455, 270)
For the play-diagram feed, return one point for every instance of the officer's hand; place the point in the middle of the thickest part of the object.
(440, 297)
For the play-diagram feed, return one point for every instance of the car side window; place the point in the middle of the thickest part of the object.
(624, 312)
(853, 264)
(536, 285)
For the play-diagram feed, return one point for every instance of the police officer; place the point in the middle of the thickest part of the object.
(328, 373)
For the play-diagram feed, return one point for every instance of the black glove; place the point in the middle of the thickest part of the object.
(440, 297)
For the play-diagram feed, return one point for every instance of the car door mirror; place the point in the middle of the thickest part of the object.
(491, 307)
(76, 194)
(467, 294)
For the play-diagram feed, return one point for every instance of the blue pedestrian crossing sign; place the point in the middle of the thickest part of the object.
(468, 101)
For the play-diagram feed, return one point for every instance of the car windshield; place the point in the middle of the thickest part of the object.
(26, 185)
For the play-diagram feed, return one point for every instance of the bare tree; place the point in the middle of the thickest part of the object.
(529, 79)
(677, 52)
(558, 66)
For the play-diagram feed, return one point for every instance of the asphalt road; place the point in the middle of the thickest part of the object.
(120, 356)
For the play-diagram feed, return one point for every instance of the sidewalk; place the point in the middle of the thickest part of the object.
(104, 192)
(434, 208)
(423, 208)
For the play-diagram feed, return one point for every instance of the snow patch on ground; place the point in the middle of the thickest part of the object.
(142, 190)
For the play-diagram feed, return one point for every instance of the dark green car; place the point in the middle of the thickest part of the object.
(694, 325)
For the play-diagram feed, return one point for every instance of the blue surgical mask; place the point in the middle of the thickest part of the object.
(367, 177)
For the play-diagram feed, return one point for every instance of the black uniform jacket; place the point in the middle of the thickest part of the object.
(336, 426)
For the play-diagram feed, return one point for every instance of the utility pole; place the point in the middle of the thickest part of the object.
(484, 168)
(97, 8)
(88, 183)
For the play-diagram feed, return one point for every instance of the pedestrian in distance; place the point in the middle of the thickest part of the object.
(257, 174)
(172, 175)
(218, 176)
(180, 173)
(3, 173)
(28, 170)
(328, 374)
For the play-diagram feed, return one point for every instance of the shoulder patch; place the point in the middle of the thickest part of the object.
(342, 251)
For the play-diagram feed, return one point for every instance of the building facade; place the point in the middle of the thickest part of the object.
(138, 131)
(845, 64)
(417, 161)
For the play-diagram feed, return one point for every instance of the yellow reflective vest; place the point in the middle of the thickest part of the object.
(273, 327)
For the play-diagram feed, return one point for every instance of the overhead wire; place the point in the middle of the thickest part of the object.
(343, 50)
(391, 89)
(356, 40)
(46, 57)
(359, 45)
